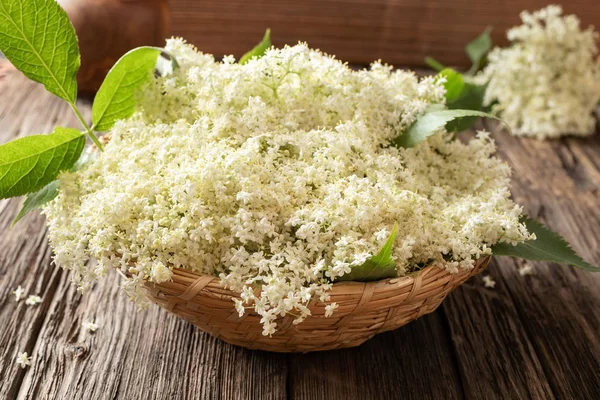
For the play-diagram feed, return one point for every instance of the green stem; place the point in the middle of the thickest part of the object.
(88, 131)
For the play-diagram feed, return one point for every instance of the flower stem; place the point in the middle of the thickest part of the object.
(88, 131)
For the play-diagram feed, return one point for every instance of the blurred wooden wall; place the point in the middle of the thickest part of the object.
(400, 32)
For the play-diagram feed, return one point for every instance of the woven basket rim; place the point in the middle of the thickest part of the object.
(213, 279)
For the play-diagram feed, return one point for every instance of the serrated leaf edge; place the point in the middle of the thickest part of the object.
(527, 220)
(66, 97)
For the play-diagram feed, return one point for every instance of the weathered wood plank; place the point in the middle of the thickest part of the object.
(401, 32)
(24, 255)
(413, 362)
(24, 260)
(145, 354)
(559, 182)
(495, 355)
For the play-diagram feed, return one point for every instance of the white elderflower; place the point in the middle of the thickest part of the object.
(239, 307)
(330, 308)
(19, 293)
(488, 282)
(269, 328)
(90, 326)
(160, 273)
(382, 235)
(278, 177)
(33, 300)
(547, 83)
(526, 269)
(23, 360)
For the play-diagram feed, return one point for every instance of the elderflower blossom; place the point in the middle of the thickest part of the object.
(90, 326)
(489, 282)
(547, 83)
(19, 293)
(33, 300)
(330, 308)
(23, 360)
(278, 177)
(526, 269)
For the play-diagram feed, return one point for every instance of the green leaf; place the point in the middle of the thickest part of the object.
(378, 267)
(454, 84)
(116, 97)
(30, 163)
(259, 50)
(431, 122)
(433, 63)
(548, 246)
(478, 48)
(38, 38)
(471, 98)
(36, 200)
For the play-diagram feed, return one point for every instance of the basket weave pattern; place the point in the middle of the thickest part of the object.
(365, 309)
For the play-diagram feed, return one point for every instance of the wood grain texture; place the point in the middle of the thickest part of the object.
(559, 300)
(530, 337)
(490, 339)
(399, 364)
(400, 32)
(24, 254)
(134, 355)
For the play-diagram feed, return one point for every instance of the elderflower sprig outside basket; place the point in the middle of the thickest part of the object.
(365, 309)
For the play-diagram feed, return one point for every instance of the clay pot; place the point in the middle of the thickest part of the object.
(107, 29)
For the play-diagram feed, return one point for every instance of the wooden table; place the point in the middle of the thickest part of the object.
(529, 337)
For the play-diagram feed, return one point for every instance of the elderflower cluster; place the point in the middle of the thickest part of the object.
(547, 83)
(23, 360)
(90, 325)
(278, 177)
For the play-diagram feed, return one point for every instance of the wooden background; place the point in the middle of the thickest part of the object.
(400, 32)
(533, 337)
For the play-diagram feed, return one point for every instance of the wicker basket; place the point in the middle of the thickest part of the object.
(365, 309)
